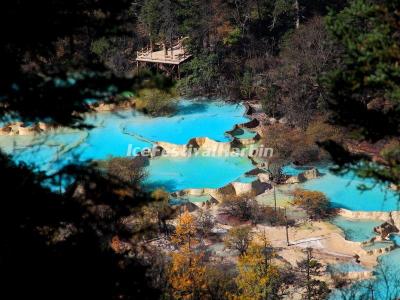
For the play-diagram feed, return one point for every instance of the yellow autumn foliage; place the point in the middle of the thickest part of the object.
(186, 276)
(185, 231)
(257, 277)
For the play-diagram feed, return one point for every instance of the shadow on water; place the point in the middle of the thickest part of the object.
(168, 185)
(192, 108)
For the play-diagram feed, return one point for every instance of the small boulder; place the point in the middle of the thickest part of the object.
(254, 172)
(283, 120)
(189, 206)
(302, 177)
(214, 201)
(311, 174)
(43, 126)
(5, 130)
(385, 229)
(264, 177)
(357, 258)
(272, 120)
(293, 179)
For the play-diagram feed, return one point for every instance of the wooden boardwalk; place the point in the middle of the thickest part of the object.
(172, 56)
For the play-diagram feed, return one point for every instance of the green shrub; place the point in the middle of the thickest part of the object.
(100, 46)
(156, 102)
(314, 203)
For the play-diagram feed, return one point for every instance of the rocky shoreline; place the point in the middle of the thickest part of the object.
(18, 128)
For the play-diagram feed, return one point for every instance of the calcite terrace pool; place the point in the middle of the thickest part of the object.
(367, 209)
(344, 192)
(114, 132)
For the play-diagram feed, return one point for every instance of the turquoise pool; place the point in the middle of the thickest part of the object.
(46, 152)
(345, 268)
(356, 230)
(246, 179)
(386, 284)
(343, 191)
(241, 133)
(113, 132)
(378, 245)
(194, 119)
(395, 238)
(177, 173)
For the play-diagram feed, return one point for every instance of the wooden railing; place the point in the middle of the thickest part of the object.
(176, 54)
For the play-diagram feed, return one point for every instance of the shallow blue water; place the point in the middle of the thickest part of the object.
(204, 119)
(108, 137)
(246, 179)
(292, 170)
(343, 191)
(378, 245)
(174, 173)
(244, 133)
(388, 269)
(385, 286)
(395, 237)
(45, 152)
(114, 132)
(356, 230)
(345, 268)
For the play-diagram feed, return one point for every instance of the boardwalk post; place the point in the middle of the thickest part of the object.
(172, 46)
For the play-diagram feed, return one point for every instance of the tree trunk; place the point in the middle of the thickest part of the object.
(308, 273)
(297, 8)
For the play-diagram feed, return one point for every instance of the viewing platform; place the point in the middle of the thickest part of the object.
(175, 55)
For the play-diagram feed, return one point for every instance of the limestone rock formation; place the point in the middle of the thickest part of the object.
(6, 130)
(264, 177)
(251, 124)
(201, 144)
(254, 172)
(209, 203)
(395, 218)
(255, 108)
(103, 106)
(189, 206)
(205, 143)
(293, 179)
(385, 229)
(230, 190)
(302, 177)
(22, 130)
(311, 174)
(173, 149)
(19, 128)
(394, 187)
(359, 215)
